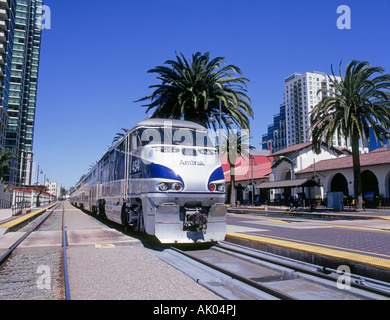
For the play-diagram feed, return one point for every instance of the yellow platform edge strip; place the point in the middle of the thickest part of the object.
(372, 261)
(24, 218)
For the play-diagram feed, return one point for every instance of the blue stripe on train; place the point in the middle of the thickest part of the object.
(154, 170)
(216, 175)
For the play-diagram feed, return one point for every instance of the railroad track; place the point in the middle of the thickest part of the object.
(229, 270)
(237, 272)
(36, 273)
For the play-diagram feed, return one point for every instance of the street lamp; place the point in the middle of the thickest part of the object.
(38, 173)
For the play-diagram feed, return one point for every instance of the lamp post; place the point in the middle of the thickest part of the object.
(38, 176)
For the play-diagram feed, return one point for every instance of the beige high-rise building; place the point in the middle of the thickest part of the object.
(302, 93)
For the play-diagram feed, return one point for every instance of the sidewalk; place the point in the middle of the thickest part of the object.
(5, 214)
(322, 211)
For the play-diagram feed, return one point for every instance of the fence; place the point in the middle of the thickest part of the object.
(29, 198)
(5, 198)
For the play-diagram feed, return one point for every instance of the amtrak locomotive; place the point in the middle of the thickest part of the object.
(164, 177)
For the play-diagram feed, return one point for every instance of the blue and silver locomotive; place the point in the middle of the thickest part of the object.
(164, 177)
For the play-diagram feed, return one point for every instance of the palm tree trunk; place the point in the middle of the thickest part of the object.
(233, 189)
(357, 177)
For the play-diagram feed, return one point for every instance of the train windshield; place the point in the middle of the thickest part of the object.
(175, 136)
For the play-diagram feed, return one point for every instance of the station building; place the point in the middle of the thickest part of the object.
(299, 171)
(337, 175)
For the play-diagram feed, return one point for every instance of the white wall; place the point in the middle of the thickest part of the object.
(382, 173)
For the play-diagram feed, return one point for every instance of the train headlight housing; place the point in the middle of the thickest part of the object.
(162, 186)
(221, 188)
(217, 187)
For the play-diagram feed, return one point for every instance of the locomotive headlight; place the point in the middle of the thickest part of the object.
(177, 186)
(217, 187)
(221, 188)
(162, 186)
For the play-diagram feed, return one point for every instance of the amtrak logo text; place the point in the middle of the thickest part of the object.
(192, 163)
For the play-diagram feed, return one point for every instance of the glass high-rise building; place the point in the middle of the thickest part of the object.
(276, 132)
(7, 28)
(23, 85)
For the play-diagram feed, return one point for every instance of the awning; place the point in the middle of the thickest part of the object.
(288, 184)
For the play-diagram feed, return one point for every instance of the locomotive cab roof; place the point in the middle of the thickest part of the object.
(158, 122)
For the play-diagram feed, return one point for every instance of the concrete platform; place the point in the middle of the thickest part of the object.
(11, 223)
(98, 236)
(105, 264)
(361, 244)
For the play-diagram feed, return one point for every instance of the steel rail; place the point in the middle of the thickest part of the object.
(306, 270)
(64, 245)
(261, 287)
(18, 242)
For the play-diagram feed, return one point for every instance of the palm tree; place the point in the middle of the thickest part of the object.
(234, 144)
(359, 101)
(120, 135)
(92, 165)
(192, 91)
(6, 156)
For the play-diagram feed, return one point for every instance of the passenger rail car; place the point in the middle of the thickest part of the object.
(164, 177)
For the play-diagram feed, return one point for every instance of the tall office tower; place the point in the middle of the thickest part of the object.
(23, 89)
(301, 96)
(276, 132)
(7, 26)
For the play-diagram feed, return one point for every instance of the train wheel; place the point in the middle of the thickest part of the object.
(139, 225)
(101, 210)
(125, 219)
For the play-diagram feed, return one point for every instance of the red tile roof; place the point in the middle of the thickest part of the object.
(380, 156)
(293, 148)
(301, 146)
(261, 168)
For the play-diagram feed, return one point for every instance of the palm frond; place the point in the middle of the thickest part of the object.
(191, 90)
(360, 101)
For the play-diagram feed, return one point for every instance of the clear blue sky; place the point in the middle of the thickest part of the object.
(95, 58)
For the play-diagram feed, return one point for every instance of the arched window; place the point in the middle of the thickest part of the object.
(339, 184)
(370, 186)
